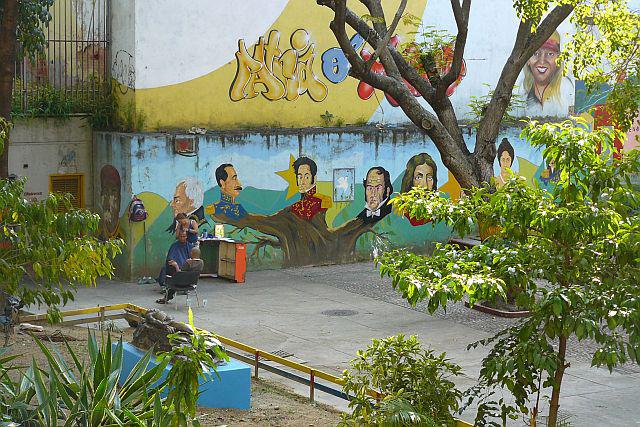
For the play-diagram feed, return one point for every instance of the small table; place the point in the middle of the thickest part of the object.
(224, 257)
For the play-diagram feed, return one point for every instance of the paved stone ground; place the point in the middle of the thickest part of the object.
(368, 282)
(286, 310)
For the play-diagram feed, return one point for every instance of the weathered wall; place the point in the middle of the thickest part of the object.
(277, 64)
(41, 147)
(265, 211)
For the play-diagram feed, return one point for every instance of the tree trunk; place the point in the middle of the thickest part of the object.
(304, 242)
(8, 28)
(552, 419)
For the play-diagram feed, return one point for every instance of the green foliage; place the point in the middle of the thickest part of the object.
(478, 106)
(94, 98)
(571, 252)
(327, 118)
(5, 129)
(80, 392)
(191, 361)
(415, 382)
(131, 120)
(604, 49)
(361, 121)
(14, 396)
(33, 17)
(53, 245)
(89, 392)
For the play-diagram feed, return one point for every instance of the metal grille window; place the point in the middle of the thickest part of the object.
(74, 66)
(69, 183)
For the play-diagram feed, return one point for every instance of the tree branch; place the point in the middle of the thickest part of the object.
(524, 47)
(461, 14)
(385, 41)
(408, 72)
(380, 26)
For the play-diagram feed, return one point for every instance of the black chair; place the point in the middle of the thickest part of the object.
(183, 283)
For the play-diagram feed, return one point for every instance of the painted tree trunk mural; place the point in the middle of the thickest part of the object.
(304, 242)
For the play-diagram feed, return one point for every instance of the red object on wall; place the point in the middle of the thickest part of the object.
(602, 118)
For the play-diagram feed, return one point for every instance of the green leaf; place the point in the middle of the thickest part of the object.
(557, 307)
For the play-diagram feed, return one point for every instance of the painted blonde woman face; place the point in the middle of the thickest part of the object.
(543, 65)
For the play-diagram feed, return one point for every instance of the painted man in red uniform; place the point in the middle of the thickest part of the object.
(310, 202)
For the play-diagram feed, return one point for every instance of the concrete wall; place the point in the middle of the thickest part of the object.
(41, 147)
(220, 67)
(265, 212)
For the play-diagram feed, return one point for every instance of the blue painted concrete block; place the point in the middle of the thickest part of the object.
(231, 390)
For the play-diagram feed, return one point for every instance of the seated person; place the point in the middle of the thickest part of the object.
(177, 255)
(194, 263)
(189, 226)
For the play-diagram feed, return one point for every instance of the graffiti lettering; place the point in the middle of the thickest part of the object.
(123, 71)
(335, 65)
(277, 75)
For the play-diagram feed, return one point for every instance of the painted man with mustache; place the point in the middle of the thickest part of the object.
(230, 187)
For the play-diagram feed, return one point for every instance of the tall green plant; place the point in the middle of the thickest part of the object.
(572, 253)
(87, 392)
(52, 244)
(192, 361)
(82, 392)
(415, 383)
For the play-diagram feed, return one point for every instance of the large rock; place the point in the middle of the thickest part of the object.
(154, 330)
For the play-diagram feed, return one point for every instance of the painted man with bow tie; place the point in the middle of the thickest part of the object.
(377, 191)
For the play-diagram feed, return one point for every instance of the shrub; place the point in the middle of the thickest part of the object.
(415, 384)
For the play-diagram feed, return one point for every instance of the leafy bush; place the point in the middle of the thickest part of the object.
(81, 393)
(415, 382)
(572, 252)
(191, 360)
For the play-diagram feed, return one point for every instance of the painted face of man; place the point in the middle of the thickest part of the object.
(181, 203)
(182, 237)
(423, 176)
(374, 189)
(543, 65)
(304, 178)
(505, 160)
(231, 186)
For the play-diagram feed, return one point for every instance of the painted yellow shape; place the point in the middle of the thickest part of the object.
(527, 170)
(207, 100)
(452, 187)
(588, 117)
(324, 189)
(335, 210)
(155, 205)
(289, 175)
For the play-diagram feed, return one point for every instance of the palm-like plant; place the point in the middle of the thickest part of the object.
(86, 393)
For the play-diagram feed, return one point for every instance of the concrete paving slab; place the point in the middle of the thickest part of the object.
(283, 310)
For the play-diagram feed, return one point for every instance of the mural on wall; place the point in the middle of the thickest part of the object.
(377, 194)
(230, 188)
(544, 90)
(421, 171)
(123, 71)
(275, 74)
(343, 182)
(187, 199)
(279, 204)
(506, 156)
(299, 230)
(311, 202)
(110, 196)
